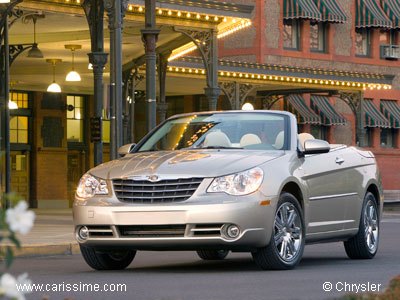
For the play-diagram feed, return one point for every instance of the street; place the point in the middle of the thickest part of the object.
(182, 275)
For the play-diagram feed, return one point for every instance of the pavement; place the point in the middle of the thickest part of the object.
(53, 234)
(324, 273)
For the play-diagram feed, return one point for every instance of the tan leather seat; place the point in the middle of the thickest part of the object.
(304, 137)
(279, 141)
(249, 139)
(217, 139)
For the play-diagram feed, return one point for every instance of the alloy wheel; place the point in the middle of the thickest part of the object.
(371, 226)
(287, 232)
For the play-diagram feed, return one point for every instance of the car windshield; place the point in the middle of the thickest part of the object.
(254, 131)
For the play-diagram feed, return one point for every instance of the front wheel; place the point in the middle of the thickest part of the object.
(212, 254)
(107, 260)
(365, 244)
(286, 246)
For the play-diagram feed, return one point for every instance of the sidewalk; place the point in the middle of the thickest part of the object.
(53, 234)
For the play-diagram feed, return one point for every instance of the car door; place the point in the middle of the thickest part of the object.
(324, 175)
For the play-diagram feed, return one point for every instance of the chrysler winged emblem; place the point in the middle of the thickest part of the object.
(153, 178)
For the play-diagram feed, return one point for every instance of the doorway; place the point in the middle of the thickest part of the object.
(76, 168)
(20, 174)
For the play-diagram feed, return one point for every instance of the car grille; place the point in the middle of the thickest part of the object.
(151, 231)
(163, 191)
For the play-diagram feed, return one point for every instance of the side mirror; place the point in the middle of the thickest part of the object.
(125, 149)
(316, 147)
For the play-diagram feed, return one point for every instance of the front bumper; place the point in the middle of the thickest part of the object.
(197, 223)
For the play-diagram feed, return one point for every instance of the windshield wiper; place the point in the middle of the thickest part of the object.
(218, 147)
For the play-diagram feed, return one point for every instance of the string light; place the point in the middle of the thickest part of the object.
(284, 78)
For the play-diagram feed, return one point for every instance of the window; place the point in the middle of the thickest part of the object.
(388, 47)
(367, 142)
(363, 42)
(75, 119)
(19, 130)
(319, 132)
(387, 37)
(291, 34)
(21, 99)
(388, 137)
(318, 37)
(252, 131)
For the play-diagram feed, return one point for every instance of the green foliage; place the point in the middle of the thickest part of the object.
(392, 292)
(6, 235)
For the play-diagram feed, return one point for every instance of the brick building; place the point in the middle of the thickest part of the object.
(348, 35)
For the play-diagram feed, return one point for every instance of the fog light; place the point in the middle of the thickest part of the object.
(231, 231)
(83, 233)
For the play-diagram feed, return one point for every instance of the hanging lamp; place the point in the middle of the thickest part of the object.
(73, 75)
(35, 52)
(54, 87)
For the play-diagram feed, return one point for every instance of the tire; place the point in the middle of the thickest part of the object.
(286, 246)
(365, 244)
(110, 260)
(212, 254)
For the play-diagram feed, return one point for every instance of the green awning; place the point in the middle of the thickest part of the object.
(329, 116)
(301, 9)
(392, 10)
(391, 110)
(331, 11)
(370, 14)
(373, 117)
(297, 106)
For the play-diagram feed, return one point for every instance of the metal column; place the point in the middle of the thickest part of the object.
(6, 109)
(94, 10)
(132, 109)
(162, 106)
(360, 130)
(115, 12)
(149, 37)
(212, 91)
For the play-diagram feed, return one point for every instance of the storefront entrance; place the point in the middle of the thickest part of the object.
(20, 174)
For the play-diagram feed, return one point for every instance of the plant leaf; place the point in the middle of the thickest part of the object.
(14, 239)
(9, 257)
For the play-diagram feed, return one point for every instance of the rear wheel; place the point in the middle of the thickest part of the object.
(365, 244)
(107, 260)
(212, 254)
(286, 246)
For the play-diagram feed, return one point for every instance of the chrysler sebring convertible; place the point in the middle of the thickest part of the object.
(240, 181)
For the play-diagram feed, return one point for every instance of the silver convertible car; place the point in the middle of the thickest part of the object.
(241, 181)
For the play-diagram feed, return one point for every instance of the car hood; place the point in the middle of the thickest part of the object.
(184, 163)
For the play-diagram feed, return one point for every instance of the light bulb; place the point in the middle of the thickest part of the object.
(54, 88)
(73, 76)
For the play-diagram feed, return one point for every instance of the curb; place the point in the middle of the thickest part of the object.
(67, 248)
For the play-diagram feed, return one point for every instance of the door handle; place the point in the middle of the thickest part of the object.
(339, 160)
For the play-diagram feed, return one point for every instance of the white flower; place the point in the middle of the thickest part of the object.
(15, 287)
(19, 218)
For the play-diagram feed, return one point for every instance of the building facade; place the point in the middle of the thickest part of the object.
(344, 35)
(332, 63)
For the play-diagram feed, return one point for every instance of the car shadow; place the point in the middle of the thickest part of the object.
(225, 266)
(229, 266)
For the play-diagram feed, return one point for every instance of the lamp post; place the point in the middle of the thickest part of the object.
(115, 11)
(149, 37)
(94, 11)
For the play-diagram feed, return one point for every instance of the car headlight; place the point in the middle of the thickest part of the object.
(89, 186)
(238, 184)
